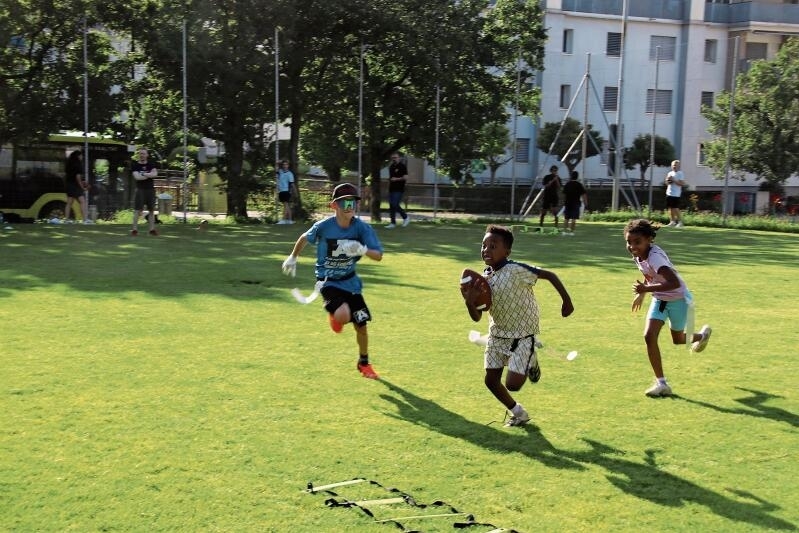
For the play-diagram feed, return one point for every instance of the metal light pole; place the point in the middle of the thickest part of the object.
(619, 126)
(86, 112)
(277, 120)
(725, 192)
(652, 137)
(435, 167)
(360, 121)
(185, 127)
(515, 133)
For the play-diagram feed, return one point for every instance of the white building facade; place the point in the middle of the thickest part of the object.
(693, 41)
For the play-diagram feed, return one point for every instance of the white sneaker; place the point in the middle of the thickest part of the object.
(671, 224)
(658, 389)
(700, 345)
(678, 225)
(406, 222)
(520, 420)
(391, 226)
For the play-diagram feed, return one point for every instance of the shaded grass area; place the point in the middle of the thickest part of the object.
(172, 383)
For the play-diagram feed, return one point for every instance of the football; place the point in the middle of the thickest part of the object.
(482, 295)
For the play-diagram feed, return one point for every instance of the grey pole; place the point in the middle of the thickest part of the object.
(652, 137)
(725, 193)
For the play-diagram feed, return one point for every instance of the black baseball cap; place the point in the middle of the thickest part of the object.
(345, 190)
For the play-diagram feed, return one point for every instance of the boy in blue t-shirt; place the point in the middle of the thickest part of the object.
(340, 242)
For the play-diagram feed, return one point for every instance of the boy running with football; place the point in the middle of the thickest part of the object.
(341, 240)
(512, 319)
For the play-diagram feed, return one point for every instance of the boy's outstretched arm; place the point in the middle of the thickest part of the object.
(567, 307)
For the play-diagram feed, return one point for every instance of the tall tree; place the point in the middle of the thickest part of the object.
(563, 138)
(42, 69)
(640, 151)
(765, 132)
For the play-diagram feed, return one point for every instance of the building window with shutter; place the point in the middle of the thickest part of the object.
(565, 96)
(711, 46)
(660, 104)
(610, 100)
(706, 100)
(522, 150)
(667, 47)
(613, 45)
(568, 41)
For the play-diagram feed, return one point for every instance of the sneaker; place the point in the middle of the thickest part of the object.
(520, 420)
(391, 226)
(700, 345)
(335, 325)
(134, 232)
(406, 222)
(671, 224)
(154, 233)
(678, 225)
(534, 372)
(658, 389)
(367, 371)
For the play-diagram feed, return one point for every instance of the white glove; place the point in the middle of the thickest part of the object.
(290, 266)
(352, 248)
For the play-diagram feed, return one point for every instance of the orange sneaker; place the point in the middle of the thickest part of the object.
(367, 371)
(335, 325)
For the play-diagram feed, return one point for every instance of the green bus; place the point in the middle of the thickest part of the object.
(32, 177)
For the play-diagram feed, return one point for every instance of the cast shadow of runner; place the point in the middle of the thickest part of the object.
(644, 480)
(756, 407)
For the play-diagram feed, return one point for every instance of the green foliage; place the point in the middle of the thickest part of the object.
(555, 138)
(765, 135)
(640, 151)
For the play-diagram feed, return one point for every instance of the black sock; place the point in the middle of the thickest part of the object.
(363, 359)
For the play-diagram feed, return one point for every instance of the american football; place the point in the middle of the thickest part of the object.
(470, 278)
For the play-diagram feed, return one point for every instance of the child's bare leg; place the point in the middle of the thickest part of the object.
(362, 337)
(514, 381)
(652, 349)
(342, 314)
(493, 380)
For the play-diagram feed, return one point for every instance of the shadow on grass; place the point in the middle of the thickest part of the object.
(756, 407)
(644, 480)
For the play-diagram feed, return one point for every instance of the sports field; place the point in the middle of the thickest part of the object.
(173, 384)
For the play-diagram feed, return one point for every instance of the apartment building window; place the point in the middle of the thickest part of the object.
(613, 45)
(610, 100)
(667, 46)
(701, 156)
(522, 150)
(565, 96)
(707, 100)
(711, 46)
(568, 41)
(660, 104)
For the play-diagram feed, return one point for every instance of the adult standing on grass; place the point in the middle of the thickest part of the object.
(144, 172)
(341, 240)
(551, 184)
(76, 185)
(575, 199)
(512, 319)
(285, 186)
(671, 299)
(675, 181)
(397, 177)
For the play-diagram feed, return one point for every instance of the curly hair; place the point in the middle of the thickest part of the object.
(643, 227)
(504, 233)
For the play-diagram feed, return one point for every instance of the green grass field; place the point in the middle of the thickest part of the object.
(173, 384)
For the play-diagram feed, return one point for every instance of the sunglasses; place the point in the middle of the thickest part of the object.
(346, 203)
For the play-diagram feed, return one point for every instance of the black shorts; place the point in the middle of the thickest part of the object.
(284, 196)
(550, 202)
(571, 212)
(74, 191)
(144, 197)
(334, 297)
(672, 201)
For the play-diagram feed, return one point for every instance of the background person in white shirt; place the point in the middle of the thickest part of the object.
(675, 181)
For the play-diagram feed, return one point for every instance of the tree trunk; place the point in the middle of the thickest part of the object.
(236, 184)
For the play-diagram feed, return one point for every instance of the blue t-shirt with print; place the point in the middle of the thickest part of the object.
(330, 262)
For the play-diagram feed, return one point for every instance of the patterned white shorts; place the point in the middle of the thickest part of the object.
(516, 354)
